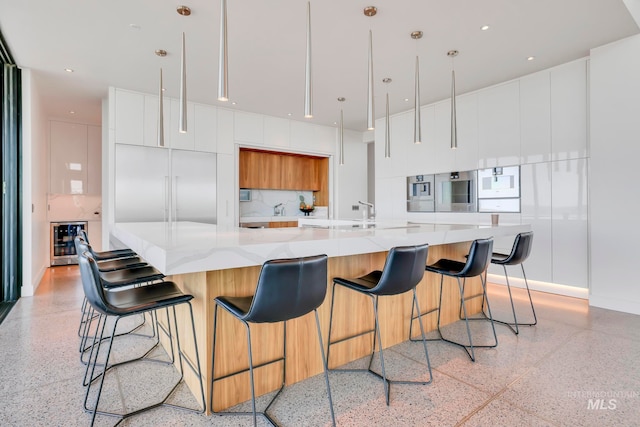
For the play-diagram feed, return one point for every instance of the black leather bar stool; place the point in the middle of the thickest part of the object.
(403, 270)
(106, 255)
(287, 289)
(519, 253)
(128, 302)
(137, 274)
(476, 265)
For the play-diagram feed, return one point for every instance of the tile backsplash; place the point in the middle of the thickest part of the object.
(263, 201)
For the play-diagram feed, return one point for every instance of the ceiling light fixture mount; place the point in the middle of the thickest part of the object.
(452, 53)
(184, 10)
(161, 53)
(342, 99)
(416, 35)
(370, 11)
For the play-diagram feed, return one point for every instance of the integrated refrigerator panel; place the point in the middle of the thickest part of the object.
(159, 184)
(141, 183)
(193, 177)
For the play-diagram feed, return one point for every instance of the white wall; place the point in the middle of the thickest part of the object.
(615, 198)
(35, 173)
(351, 177)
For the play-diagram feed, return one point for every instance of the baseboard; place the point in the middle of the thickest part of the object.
(30, 289)
(626, 306)
(534, 285)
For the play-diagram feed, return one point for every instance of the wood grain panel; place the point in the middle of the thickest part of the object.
(353, 313)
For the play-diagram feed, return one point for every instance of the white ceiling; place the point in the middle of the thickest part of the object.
(267, 49)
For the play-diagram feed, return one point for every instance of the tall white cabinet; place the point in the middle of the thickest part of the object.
(538, 122)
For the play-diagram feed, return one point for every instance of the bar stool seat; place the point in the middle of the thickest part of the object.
(403, 270)
(287, 289)
(476, 265)
(519, 253)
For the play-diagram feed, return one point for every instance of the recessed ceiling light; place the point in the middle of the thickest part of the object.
(233, 103)
(484, 27)
(531, 58)
(69, 70)
(184, 10)
(406, 100)
(72, 112)
(288, 114)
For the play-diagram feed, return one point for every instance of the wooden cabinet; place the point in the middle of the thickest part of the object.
(259, 170)
(278, 171)
(280, 224)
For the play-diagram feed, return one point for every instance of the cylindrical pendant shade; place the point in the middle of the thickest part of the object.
(387, 133)
(370, 109)
(183, 90)
(417, 130)
(160, 113)
(308, 93)
(223, 63)
(454, 127)
(341, 138)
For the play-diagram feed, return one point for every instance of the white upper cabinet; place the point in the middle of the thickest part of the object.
(205, 126)
(225, 142)
(535, 118)
(276, 132)
(182, 141)
(151, 109)
(248, 127)
(94, 160)
(569, 111)
(466, 155)
(443, 155)
(310, 137)
(129, 117)
(68, 158)
(499, 126)
(420, 157)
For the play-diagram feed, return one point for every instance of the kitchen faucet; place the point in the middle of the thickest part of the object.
(276, 211)
(372, 209)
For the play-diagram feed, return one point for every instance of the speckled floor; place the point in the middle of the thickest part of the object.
(580, 366)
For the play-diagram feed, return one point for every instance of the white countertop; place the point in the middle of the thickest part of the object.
(188, 247)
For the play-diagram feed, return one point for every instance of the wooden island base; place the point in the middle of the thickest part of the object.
(353, 313)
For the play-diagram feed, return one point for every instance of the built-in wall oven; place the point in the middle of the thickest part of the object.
(420, 193)
(456, 192)
(63, 250)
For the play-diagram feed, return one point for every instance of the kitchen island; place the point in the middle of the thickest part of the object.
(206, 261)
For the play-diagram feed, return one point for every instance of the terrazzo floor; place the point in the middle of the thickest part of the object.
(580, 366)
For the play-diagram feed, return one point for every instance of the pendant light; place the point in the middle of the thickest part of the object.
(454, 128)
(370, 11)
(308, 93)
(387, 132)
(370, 110)
(223, 63)
(160, 113)
(183, 90)
(341, 133)
(417, 129)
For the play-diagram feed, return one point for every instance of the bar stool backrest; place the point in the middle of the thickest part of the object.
(93, 290)
(478, 259)
(288, 288)
(521, 249)
(403, 270)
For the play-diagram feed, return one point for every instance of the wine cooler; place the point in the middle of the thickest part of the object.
(63, 250)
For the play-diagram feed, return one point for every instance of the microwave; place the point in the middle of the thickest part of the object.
(245, 195)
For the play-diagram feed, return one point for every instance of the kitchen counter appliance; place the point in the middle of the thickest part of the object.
(420, 193)
(456, 192)
(63, 249)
